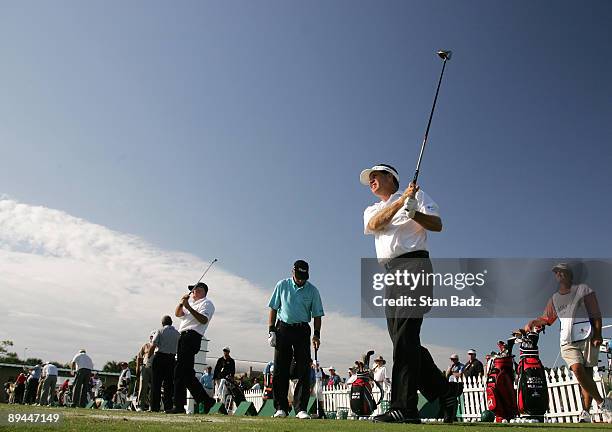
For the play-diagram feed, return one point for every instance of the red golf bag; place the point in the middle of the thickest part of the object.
(362, 399)
(532, 397)
(501, 397)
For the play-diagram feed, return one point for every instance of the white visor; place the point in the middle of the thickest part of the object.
(364, 177)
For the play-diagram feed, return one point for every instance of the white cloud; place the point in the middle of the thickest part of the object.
(68, 284)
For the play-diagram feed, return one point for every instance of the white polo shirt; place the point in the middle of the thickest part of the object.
(49, 370)
(82, 361)
(402, 235)
(204, 307)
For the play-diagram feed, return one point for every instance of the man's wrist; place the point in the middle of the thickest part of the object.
(271, 329)
(317, 334)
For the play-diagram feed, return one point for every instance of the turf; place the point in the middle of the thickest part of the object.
(80, 420)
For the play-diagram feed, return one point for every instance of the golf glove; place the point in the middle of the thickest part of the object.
(411, 205)
(272, 339)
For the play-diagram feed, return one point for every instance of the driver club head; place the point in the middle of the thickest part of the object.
(445, 55)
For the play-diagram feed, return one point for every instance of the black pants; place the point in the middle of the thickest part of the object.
(292, 343)
(30, 391)
(413, 366)
(184, 374)
(19, 390)
(163, 374)
(81, 387)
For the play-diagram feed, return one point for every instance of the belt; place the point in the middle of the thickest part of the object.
(190, 331)
(414, 254)
(300, 324)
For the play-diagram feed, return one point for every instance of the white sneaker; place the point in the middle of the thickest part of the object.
(280, 414)
(606, 410)
(584, 417)
(303, 415)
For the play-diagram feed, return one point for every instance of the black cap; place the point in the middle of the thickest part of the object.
(199, 285)
(301, 269)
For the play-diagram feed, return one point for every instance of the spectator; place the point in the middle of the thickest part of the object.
(380, 372)
(125, 376)
(62, 391)
(256, 386)
(164, 347)
(8, 391)
(455, 369)
(81, 366)
(143, 374)
(352, 376)
(96, 385)
(32, 385)
(20, 382)
(123, 385)
(473, 367)
(333, 378)
(49, 374)
(207, 381)
(225, 367)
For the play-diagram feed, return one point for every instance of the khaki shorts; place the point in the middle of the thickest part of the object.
(583, 352)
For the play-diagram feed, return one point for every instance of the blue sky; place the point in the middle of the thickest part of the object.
(237, 129)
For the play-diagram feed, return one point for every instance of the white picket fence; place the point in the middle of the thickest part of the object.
(563, 390)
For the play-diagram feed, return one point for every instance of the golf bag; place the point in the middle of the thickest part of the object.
(267, 392)
(501, 397)
(532, 395)
(362, 398)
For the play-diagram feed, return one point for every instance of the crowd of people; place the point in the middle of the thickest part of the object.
(39, 385)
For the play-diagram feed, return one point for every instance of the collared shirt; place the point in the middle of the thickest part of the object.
(380, 374)
(204, 307)
(296, 304)
(36, 371)
(473, 368)
(82, 361)
(50, 370)
(403, 234)
(207, 380)
(456, 367)
(224, 367)
(166, 340)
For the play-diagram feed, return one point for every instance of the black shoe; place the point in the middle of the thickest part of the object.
(208, 404)
(176, 411)
(450, 401)
(396, 416)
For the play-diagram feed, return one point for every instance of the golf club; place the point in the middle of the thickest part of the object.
(318, 386)
(444, 55)
(205, 271)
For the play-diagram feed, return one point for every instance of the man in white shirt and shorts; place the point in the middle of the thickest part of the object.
(578, 311)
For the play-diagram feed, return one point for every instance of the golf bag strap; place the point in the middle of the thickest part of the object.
(382, 392)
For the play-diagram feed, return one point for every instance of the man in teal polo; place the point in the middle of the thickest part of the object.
(294, 302)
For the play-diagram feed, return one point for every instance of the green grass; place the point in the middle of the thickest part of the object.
(80, 420)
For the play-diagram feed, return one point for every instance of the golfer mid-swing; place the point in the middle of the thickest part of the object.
(292, 305)
(399, 223)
